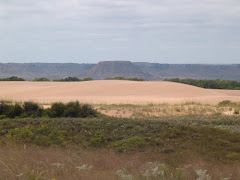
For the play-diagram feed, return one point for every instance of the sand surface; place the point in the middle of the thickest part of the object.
(113, 92)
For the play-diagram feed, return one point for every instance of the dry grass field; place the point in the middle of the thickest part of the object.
(159, 110)
(113, 92)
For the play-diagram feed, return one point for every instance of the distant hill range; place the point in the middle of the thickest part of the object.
(110, 69)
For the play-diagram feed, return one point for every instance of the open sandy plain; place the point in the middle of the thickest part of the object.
(113, 92)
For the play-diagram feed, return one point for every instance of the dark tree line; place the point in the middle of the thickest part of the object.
(33, 110)
(12, 78)
(209, 84)
(123, 78)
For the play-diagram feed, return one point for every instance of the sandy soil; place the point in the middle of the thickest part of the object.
(113, 92)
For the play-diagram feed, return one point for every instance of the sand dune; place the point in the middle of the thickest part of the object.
(112, 91)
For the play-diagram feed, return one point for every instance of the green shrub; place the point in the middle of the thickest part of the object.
(23, 135)
(225, 103)
(57, 137)
(2, 117)
(58, 109)
(130, 144)
(87, 111)
(31, 108)
(23, 115)
(15, 110)
(72, 109)
(48, 113)
(4, 108)
(97, 141)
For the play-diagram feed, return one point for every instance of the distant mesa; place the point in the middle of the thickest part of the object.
(127, 69)
(108, 69)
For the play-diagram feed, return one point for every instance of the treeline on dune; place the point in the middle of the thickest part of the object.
(33, 110)
(68, 79)
(12, 78)
(209, 84)
(124, 78)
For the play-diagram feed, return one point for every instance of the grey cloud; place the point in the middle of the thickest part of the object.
(108, 24)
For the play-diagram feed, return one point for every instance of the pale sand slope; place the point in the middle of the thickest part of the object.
(112, 92)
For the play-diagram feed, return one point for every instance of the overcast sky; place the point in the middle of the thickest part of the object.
(88, 31)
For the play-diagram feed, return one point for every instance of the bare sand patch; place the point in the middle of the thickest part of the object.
(113, 92)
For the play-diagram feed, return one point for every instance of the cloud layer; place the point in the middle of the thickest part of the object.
(169, 31)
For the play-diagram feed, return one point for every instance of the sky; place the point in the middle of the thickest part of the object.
(89, 31)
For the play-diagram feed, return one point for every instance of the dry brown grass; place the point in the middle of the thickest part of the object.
(159, 110)
(28, 162)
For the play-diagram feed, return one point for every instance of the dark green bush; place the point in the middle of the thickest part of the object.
(72, 109)
(58, 109)
(87, 111)
(31, 108)
(4, 108)
(15, 110)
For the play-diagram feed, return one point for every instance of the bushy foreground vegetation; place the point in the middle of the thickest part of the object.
(127, 135)
(12, 78)
(33, 110)
(123, 78)
(106, 148)
(210, 84)
(27, 162)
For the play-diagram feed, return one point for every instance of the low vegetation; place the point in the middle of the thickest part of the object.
(73, 79)
(67, 79)
(12, 78)
(123, 78)
(175, 148)
(172, 136)
(28, 162)
(33, 110)
(41, 79)
(210, 84)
